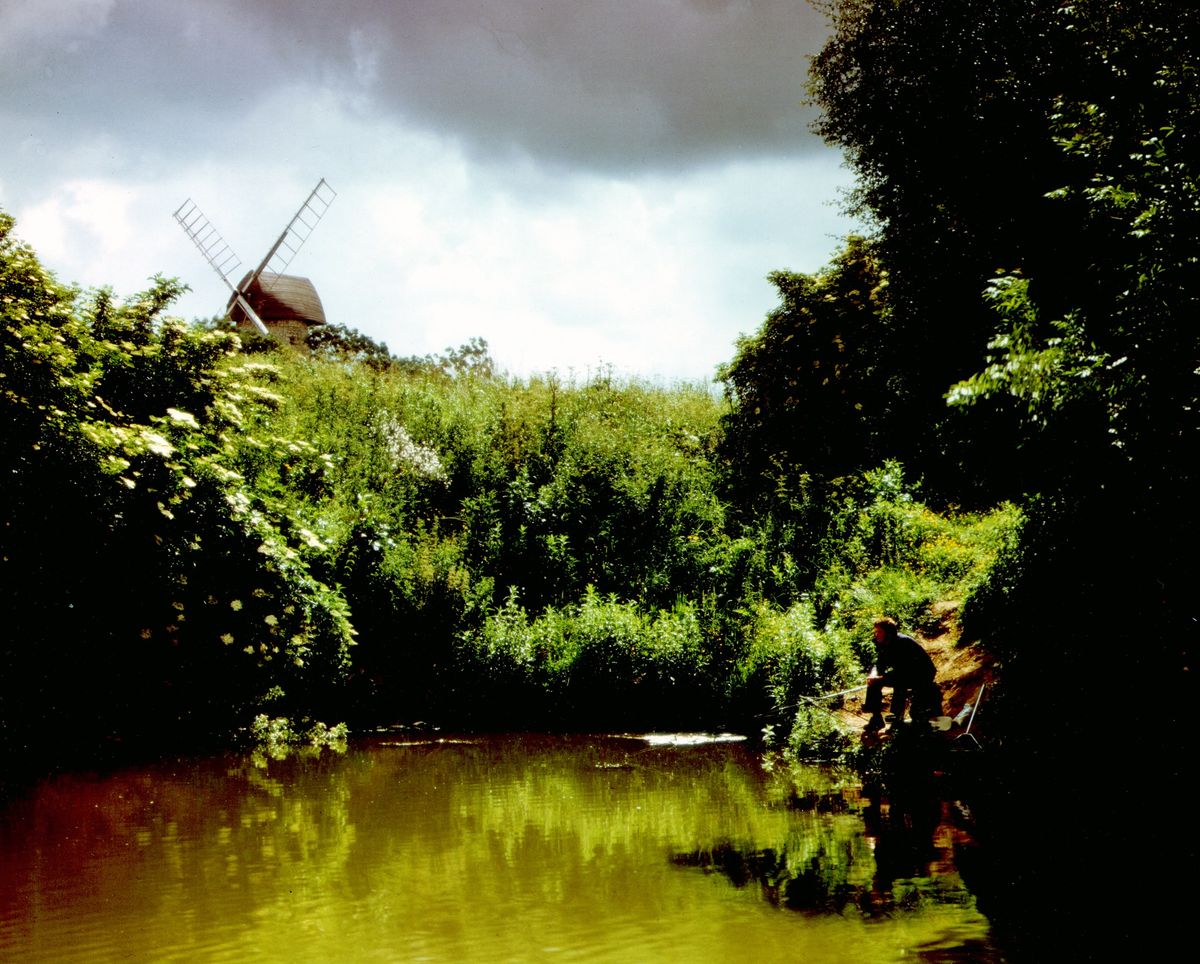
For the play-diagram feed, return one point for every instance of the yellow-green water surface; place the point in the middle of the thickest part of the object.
(513, 848)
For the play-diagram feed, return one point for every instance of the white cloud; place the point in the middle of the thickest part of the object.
(85, 223)
(423, 250)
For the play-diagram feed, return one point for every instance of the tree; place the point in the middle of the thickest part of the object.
(1112, 380)
(1093, 608)
(813, 391)
(338, 342)
(1047, 151)
(941, 109)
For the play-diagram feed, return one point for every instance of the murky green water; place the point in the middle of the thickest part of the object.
(496, 849)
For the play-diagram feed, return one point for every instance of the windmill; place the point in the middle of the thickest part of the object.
(274, 303)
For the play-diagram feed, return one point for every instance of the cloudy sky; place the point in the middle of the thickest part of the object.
(583, 183)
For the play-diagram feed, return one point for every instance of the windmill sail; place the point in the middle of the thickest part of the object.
(294, 235)
(216, 252)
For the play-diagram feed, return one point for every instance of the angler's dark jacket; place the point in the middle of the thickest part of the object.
(904, 662)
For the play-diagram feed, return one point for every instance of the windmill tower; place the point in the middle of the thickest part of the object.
(273, 303)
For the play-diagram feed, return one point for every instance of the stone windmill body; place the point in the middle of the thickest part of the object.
(266, 300)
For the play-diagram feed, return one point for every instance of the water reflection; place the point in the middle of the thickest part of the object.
(515, 848)
(906, 841)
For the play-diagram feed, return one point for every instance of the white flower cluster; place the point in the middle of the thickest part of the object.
(407, 455)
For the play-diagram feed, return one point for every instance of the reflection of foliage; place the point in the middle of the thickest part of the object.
(821, 870)
(279, 737)
(402, 845)
(815, 886)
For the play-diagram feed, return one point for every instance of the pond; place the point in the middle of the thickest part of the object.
(499, 848)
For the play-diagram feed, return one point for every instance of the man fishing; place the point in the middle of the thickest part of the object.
(902, 664)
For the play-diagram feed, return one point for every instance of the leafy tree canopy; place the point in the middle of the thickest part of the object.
(812, 391)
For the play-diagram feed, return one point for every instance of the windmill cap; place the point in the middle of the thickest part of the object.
(285, 297)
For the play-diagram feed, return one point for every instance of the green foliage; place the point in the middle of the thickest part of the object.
(1108, 376)
(814, 391)
(602, 663)
(511, 552)
(279, 738)
(815, 735)
(342, 344)
(1047, 152)
(1018, 363)
(880, 550)
(940, 108)
(1070, 181)
(929, 100)
(439, 489)
(128, 475)
(1114, 368)
(789, 658)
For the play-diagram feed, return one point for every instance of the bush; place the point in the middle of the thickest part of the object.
(601, 664)
(153, 590)
(789, 658)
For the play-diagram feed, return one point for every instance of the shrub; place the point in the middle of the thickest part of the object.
(153, 588)
(788, 658)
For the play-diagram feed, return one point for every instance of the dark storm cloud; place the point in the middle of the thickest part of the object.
(622, 83)
(604, 84)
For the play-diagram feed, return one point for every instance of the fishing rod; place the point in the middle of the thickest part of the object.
(829, 696)
(813, 700)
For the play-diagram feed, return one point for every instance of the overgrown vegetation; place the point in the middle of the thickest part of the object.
(1032, 169)
(210, 540)
(538, 553)
(992, 399)
(155, 587)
